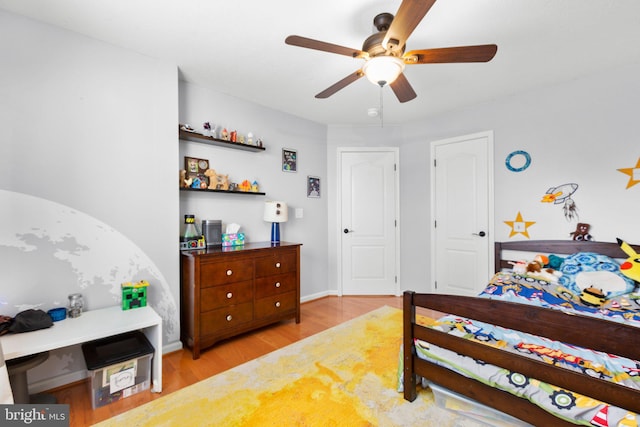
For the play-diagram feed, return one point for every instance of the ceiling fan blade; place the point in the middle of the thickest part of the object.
(323, 46)
(405, 21)
(402, 88)
(480, 53)
(340, 85)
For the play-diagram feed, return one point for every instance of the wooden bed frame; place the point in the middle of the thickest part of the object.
(611, 337)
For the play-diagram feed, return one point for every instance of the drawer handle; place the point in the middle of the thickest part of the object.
(230, 295)
(277, 265)
(278, 304)
(229, 317)
(278, 284)
(229, 272)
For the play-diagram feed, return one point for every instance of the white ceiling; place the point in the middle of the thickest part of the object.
(237, 47)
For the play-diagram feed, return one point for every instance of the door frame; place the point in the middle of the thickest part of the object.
(339, 258)
(490, 196)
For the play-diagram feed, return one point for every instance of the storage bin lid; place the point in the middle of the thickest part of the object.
(115, 349)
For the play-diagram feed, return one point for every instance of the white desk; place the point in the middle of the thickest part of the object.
(91, 325)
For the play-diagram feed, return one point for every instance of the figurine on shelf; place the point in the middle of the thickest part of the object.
(208, 129)
(225, 134)
(241, 139)
(244, 185)
(196, 182)
(213, 178)
(223, 182)
(182, 183)
(259, 142)
(234, 135)
(250, 138)
(254, 186)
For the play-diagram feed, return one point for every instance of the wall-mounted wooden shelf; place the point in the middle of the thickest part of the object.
(206, 190)
(203, 139)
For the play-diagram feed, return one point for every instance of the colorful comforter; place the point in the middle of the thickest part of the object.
(562, 403)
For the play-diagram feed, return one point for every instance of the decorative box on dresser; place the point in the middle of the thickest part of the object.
(229, 291)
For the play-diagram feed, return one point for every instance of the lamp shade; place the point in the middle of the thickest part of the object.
(276, 211)
(383, 70)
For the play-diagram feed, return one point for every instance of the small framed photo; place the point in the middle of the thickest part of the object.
(313, 186)
(289, 160)
(195, 166)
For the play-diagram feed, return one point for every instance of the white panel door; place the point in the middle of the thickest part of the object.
(462, 214)
(368, 222)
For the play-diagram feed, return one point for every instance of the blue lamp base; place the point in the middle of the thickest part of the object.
(275, 232)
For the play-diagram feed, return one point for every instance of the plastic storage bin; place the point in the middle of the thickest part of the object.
(119, 367)
(462, 405)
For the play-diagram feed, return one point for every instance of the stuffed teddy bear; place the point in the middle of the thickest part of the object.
(582, 232)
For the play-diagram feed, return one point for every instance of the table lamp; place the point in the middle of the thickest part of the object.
(275, 212)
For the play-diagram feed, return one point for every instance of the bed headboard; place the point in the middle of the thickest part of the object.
(559, 247)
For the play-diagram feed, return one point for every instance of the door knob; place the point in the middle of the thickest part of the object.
(481, 234)
(347, 231)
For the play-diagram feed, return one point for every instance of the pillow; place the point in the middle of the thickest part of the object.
(589, 269)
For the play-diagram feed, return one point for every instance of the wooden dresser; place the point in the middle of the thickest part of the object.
(228, 291)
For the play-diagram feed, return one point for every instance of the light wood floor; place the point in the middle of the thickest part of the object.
(180, 370)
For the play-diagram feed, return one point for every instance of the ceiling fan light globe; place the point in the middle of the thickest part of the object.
(383, 70)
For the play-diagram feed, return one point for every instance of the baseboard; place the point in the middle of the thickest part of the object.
(312, 297)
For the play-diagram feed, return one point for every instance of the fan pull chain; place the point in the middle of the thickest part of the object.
(381, 108)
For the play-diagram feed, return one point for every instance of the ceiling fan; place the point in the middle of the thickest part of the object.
(384, 51)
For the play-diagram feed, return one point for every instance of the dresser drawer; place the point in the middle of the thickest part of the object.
(274, 285)
(278, 263)
(223, 318)
(271, 306)
(225, 295)
(219, 273)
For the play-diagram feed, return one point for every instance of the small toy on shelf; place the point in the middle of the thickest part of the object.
(183, 182)
(196, 182)
(208, 129)
(234, 136)
(213, 178)
(244, 185)
(134, 295)
(223, 182)
(225, 134)
(254, 186)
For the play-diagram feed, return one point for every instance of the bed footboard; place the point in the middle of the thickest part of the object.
(611, 338)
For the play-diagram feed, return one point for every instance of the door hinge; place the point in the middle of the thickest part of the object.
(396, 279)
(435, 285)
(394, 167)
(435, 224)
(434, 163)
(395, 223)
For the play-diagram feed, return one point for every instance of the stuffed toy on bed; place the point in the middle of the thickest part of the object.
(631, 267)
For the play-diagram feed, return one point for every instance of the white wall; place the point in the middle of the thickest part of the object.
(88, 160)
(579, 132)
(277, 130)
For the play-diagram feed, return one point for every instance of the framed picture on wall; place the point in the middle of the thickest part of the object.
(289, 160)
(313, 186)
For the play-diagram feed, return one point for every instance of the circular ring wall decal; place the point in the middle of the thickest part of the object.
(519, 166)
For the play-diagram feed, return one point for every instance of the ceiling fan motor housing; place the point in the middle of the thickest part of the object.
(373, 44)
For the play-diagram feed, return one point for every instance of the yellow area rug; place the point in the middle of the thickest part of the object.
(344, 376)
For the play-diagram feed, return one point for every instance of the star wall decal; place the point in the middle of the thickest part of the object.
(519, 226)
(634, 174)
